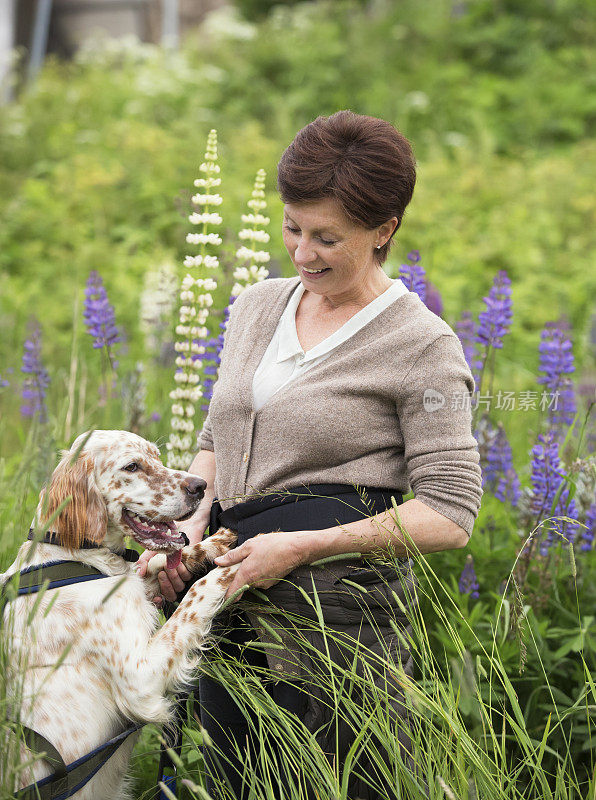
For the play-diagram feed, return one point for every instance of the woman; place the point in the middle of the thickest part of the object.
(335, 379)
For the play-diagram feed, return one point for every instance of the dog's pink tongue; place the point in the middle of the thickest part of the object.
(173, 559)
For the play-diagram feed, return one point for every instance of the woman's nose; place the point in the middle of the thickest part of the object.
(304, 252)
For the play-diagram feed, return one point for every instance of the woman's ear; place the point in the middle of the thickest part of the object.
(85, 515)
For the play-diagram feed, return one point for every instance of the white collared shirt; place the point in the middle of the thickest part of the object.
(284, 360)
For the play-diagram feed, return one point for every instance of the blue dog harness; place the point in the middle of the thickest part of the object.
(67, 779)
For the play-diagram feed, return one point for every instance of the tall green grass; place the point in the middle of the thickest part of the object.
(470, 736)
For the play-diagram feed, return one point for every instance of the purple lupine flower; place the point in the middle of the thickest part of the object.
(413, 275)
(99, 316)
(589, 531)
(501, 477)
(3, 382)
(547, 476)
(556, 362)
(468, 582)
(493, 323)
(509, 487)
(433, 301)
(37, 380)
(155, 416)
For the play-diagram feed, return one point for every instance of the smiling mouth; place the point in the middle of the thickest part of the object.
(315, 271)
(160, 535)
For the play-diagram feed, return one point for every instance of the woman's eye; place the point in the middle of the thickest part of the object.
(292, 230)
(327, 242)
(132, 467)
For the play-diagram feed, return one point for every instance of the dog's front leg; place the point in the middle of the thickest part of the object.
(168, 659)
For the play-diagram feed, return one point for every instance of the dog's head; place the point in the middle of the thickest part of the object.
(118, 486)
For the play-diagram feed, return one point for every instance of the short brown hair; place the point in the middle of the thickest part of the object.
(363, 162)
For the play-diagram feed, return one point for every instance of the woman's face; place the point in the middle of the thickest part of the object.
(332, 255)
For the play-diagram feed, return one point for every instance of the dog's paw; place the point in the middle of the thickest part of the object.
(156, 564)
(197, 558)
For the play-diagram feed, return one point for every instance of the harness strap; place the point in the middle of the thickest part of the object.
(55, 573)
(39, 744)
(52, 537)
(68, 780)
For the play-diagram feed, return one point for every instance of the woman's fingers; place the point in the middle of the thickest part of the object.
(141, 565)
(234, 556)
(184, 574)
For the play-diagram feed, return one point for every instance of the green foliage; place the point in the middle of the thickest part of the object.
(99, 156)
(98, 161)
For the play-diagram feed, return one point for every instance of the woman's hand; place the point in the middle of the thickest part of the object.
(264, 560)
(172, 581)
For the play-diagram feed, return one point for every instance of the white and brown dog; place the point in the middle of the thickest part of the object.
(116, 665)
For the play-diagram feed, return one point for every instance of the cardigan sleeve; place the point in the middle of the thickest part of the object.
(434, 410)
(205, 438)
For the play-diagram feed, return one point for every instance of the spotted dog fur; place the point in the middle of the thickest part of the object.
(118, 664)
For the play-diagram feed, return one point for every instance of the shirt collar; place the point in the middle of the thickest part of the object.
(289, 345)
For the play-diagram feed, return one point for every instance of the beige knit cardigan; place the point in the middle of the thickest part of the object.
(389, 408)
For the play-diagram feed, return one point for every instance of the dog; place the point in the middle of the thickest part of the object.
(116, 665)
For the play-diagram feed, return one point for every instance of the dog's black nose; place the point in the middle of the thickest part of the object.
(194, 486)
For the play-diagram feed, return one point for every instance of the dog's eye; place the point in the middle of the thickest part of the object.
(132, 467)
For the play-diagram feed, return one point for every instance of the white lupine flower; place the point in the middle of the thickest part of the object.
(192, 394)
(203, 238)
(255, 236)
(208, 200)
(245, 275)
(255, 219)
(258, 256)
(205, 300)
(195, 301)
(242, 274)
(258, 273)
(193, 261)
(179, 424)
(257, 205)
(205, 219)
(207, 183)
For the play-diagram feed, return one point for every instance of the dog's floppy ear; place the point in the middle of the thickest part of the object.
(85, 515)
